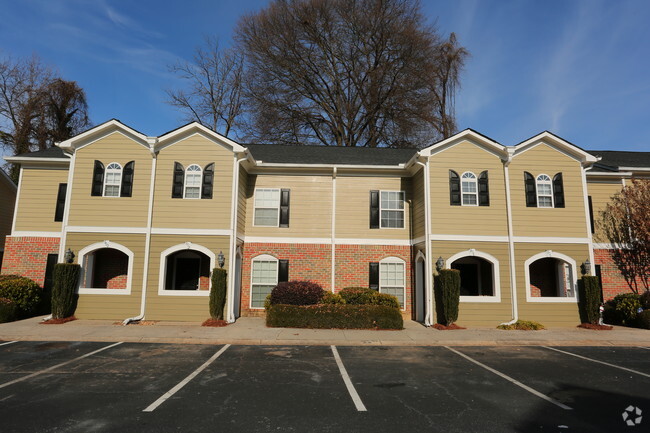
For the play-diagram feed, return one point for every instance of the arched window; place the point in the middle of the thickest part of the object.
(469, 189)
(550, 277)
(392, 278)
(185, 270)
(113, 180)
(106, 268)
(479, 276)
(544, 191)
(193, 182)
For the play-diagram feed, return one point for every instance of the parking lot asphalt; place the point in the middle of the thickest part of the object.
(140, 387)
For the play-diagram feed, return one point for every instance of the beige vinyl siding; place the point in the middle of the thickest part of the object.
(7, 202)
(480, 313)
(111, 307)
(551, 313)
(467, 220)
(37, 204)
(310, 205)
(601, 192)
(179, 308)
(241, 202)
(418, 205)
(353, 206)
(86, 210)
(557, 222)
(212, 213)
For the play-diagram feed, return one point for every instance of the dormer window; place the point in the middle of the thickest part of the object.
(112, 180)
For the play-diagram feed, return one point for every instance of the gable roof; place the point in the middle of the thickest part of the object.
(175, 135)
(561, 144)
(100, 131)
(329, 155)
(467, 134)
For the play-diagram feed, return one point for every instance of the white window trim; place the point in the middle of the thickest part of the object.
(496, 277)
(163, 270)
(97, 291)
(550, 182)
(551, 254)
(185, 173)
(262, 258)
(403, 210)
(475, 194)
(394, 260)
(119, 184)
(255, 207)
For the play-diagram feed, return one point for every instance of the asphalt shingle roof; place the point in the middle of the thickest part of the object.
(50, 152)
(620, 158)
(275, 153)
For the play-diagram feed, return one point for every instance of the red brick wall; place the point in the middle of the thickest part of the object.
(111, 269)
(27, 256)
(612, 280)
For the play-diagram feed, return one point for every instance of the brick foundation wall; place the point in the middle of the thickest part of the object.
(27, 256)
(613, 282)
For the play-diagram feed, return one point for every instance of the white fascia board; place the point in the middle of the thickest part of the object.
(608, 174)
(262, 164)
(174, 136)
(102, 130)
(37, 161)
(549, 138)
(490, 145)
(624, 168)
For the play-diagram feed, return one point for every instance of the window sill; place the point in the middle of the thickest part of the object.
(94, 291)
(480, 299)
(552, 300)
(190, 293)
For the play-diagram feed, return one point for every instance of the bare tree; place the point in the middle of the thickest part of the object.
(626, 225)
(348, 73)
(213, 96)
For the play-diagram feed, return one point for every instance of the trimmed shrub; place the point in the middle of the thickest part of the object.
(626, 306)
(645, 300)
(643, 319)
(522, 325)
(8, 310)
(447, 295)
(328, 316)
(218, 293)
(296, 293)
(366, 296)
(332, 298)
(25, 294)
(589, 294)
(64, 290)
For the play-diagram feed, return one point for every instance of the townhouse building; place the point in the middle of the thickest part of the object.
(148, 218)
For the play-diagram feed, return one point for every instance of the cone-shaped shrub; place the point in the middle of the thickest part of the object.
(589, 294)
(446, 286)
(218, 293)
(64, 292)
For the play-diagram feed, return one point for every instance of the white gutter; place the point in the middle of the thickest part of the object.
(16, 201)
(333, 272)
(147, 244)
(428, 288)
(590, 235)
(66, 209)
(28, 159)
(260, 163)
(511, 243)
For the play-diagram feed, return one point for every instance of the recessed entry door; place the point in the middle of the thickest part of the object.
(187, 273)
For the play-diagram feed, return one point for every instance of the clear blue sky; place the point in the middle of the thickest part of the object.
(580, 69)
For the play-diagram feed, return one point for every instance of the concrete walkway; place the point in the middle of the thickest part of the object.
(252, 330)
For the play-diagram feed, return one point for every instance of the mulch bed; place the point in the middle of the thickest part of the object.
(595, 327)
(214, 323)
(58, 321)
(451, 327)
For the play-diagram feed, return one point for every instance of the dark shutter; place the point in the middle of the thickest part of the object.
(127, 179)
(179, 177)
(208, 180)
(284, 207)
(483, 189)
(374, 209)
(60, 202)
(283, 270)
(373, 276)
(591, 215)
(454, 188)
(98, 179)
(558, 190)
(531, 191)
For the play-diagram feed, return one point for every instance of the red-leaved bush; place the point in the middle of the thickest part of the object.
(296, 293)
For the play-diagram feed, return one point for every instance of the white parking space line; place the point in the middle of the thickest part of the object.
(54, 367)
(185, 381)
(641, 347)
(511, 380)
(599, 362)
(8, 342)
(348, 383)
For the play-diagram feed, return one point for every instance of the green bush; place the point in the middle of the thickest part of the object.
(589, 294)
(332, 298)
(8, 310)
(643, 319)
(218, 293)
(447, 294)
(626, 306)
(25, 294)
(328, 316)
(645, 300)
(296, 293)
(522, 325)
(64, 290)
(366, 296)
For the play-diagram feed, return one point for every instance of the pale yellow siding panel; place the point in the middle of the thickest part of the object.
(86, 210)
(557, 222)
(212, 213)
(353, 207)
(310, 205)
(601, 192)
(37, 204)
(111, 307)
(467, 220)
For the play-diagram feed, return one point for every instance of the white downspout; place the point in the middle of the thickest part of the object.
(147, 242)
(232, 262)
(333, 272)
(511, 243)
(429, 300)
